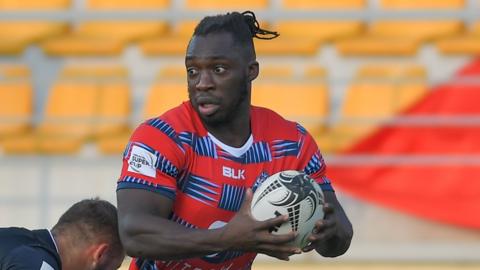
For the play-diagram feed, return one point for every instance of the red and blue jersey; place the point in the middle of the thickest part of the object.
(175, 156)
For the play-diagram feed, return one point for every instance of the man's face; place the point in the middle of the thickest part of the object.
(218, 78)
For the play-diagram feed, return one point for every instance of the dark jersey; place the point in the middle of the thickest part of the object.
(25, 249)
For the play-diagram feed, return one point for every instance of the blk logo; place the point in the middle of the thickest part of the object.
(232, 173)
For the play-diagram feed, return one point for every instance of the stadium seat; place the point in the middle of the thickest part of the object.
(232, 4)
(103, 37)
(323, 4)
(173, 43)
(34, 4)
(127, 4)
(17, 35)
(16, 98)
(377, 94)
(397, 38)
(307, 41)
(163, 96)
(271, 71)
(77, 109)
(315, 72)
(304, 102)
(422, 4)
(467, 43)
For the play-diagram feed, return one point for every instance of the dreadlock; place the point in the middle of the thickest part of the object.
(243, 27)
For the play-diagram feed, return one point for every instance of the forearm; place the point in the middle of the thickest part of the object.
(162, 239)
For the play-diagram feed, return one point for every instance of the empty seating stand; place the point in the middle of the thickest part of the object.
(467, 43)
(378, 93)
(226, 5)
(421, 4)
(16, 100)
(397, 37)
(323, 4)
(81, 106)
(172, 43)
(33, 5)
(127, 4)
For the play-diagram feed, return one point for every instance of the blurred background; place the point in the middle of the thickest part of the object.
(389, 89)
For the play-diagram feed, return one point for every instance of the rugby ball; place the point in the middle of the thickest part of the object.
(291, 193)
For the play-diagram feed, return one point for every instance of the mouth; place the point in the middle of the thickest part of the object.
(207, 106)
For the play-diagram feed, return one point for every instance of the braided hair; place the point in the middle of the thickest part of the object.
(243, 27)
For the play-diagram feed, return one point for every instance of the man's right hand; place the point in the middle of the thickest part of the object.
(245, 233)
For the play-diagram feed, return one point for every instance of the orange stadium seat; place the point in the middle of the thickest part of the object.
(103, 37)
(397, 37)
(307, 41)
(232, 4)
(324, 4)
(271, 71)
(173, 43)
(466, 43)
(16, 98)
(34, 4)
(315, 72)
(127, 4)
(304, 102)
(77, 109)
(377, 94)
(16, 35)
(163, 96)
(422, 4)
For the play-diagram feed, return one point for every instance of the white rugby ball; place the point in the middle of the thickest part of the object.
(291, 193)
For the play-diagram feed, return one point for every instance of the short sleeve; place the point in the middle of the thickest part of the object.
(153, 159)
(311, 160)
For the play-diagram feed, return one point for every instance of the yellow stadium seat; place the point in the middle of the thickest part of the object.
(324, 4)
(304, 102)
(378, 94)
(114, 109)
(103, 37)
(14, 71)
(127, 4)
(231, 4)
(34, 4)
(422, 4)
(467, 43)
(315, 72)
(174, 43)
(96, 72)
(16, 35)
(16, 107)
(173, 72)
(397, 38)
(113, 145)
(271, 71)
(164, 95)
(317, 30)
(280, 46)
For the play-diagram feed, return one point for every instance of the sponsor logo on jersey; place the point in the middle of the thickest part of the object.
(234, 174)
(142, 161)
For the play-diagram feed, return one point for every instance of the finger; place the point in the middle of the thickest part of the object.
(247, 200)
(273, 222)
(323, 224)
(328, 208)
(277, 239)
(279, 250)
(324, 235)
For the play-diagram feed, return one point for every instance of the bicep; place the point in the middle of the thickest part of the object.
(142, 202)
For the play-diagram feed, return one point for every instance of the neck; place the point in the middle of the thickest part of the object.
(234, 133)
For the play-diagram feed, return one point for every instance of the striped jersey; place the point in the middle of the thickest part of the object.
(175, 156)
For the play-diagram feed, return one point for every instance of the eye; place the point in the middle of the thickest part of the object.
(192, 71)
(220, 69)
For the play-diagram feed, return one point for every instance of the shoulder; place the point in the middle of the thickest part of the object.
(273, 125)
(30, 257)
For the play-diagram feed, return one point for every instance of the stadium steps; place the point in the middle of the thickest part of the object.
(397, 37)
(103, 37)
(16, 97)
(378, 93)
(323, 4)
(467, 43)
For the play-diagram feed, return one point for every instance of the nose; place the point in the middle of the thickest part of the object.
(205, 81)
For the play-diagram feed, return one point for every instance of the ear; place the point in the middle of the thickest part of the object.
(253, 69)
(99, 252)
